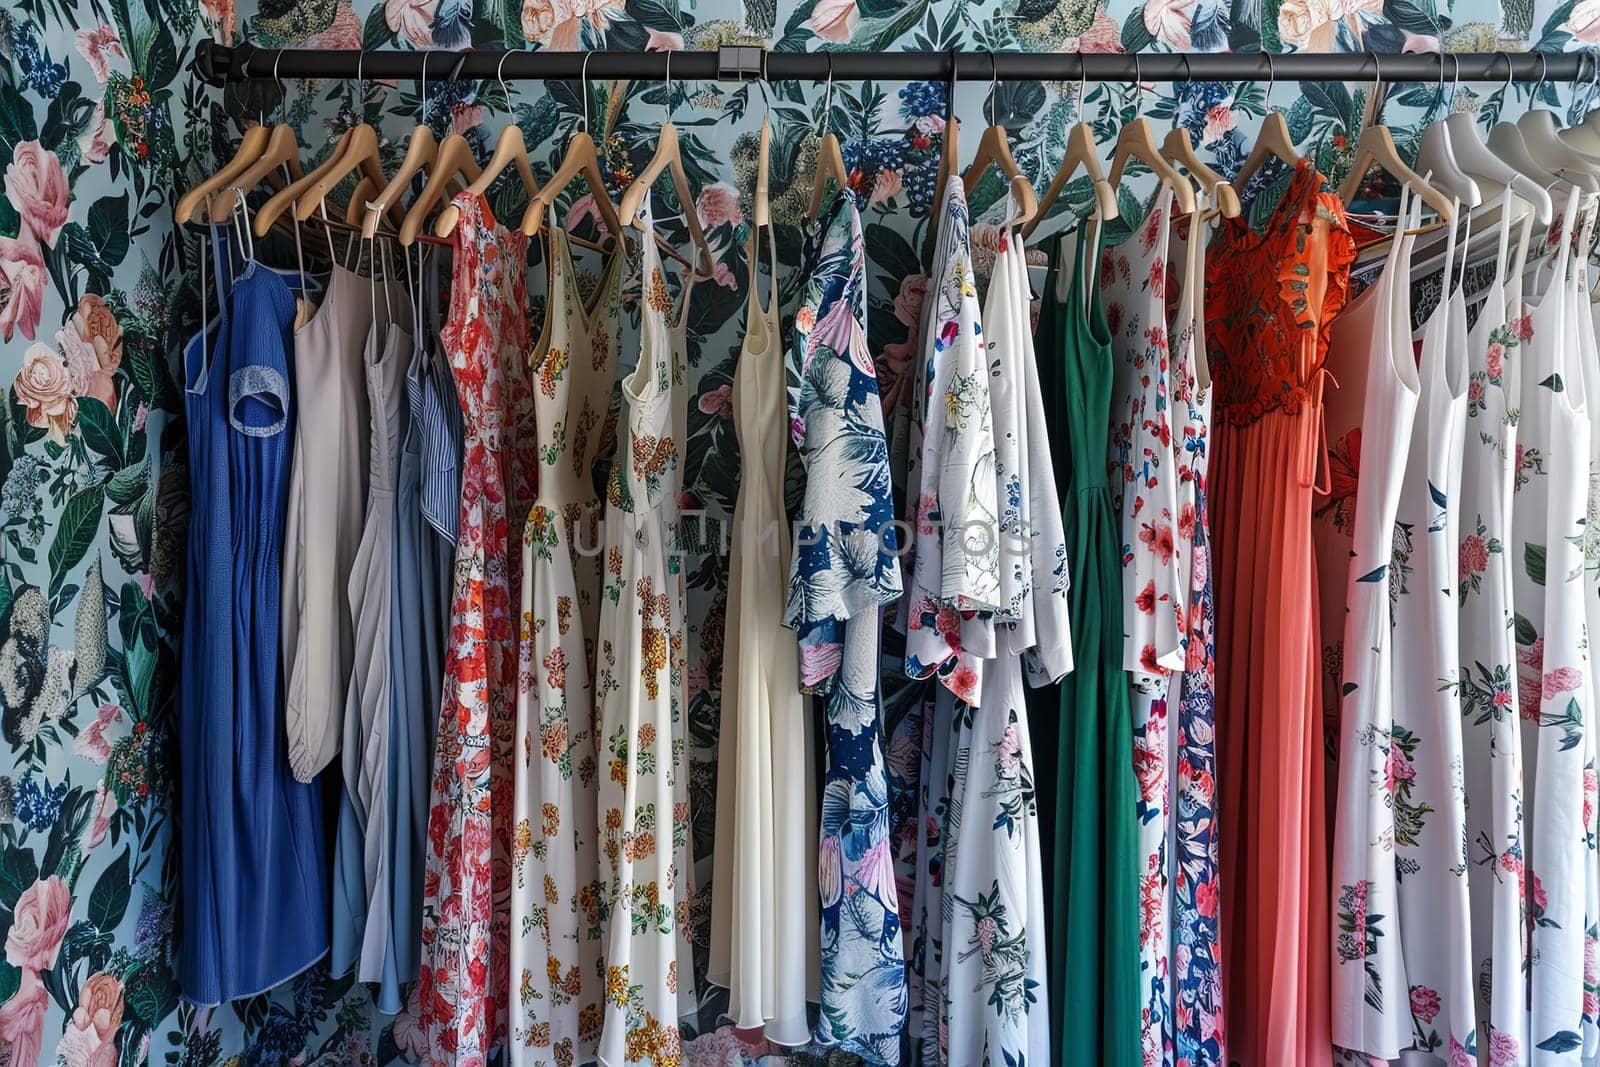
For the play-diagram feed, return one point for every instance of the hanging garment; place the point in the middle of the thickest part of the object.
(951, 488)
(1423, 772)
(256, 895)
(360, 918)
(1270, 300)
(764, 920)
(1363, 564)
(1551, 484)
(419, 607)
(995, 981)
(327, 503)
(1199, 1033)
(556, 948)
(1095, 926)
(955, 569)
(464, 934)
(1491, 734)
(641, 733)
(844, 571)
(1134, 280)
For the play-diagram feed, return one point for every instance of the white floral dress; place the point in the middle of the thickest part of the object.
(1363, 562)
(994, 976)
(1144, 481)
(1551, 479)
(1426, 754)
(556, 929)
(639, 678)
(1490, 736)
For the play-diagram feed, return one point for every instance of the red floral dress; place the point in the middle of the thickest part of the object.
(466, 890)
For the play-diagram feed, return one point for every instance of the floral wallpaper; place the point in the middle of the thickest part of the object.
(101, 123)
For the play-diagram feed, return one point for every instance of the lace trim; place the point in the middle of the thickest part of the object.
(254, 380)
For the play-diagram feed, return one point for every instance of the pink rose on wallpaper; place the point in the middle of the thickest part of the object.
(908, 301)
(1309, 24)
(1103, 34)
(38, 924)
(556, 23)
(834, 20)
(37, 187)
(44, 387)
(100, 46)
(220, 13)
(21, 287)
(87, 378)
(98, 138)
(411, 19)
(1168, 22)
(1584, 22)
(718, 203)
(661, 41)
(22, 1018)
(90, 1039)
(723, 276)
(92, 742)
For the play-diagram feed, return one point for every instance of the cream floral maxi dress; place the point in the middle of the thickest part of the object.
(1491, 738)
(643, 794)
(556, 947)
(1551, 478)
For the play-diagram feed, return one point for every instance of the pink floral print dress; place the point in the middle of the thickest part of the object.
(460, 998)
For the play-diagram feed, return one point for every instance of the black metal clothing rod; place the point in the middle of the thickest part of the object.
(219, 64)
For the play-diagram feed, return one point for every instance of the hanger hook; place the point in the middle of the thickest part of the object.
(766, 97)
(827, 99)
(950, 91)
(499, 76)
(583, 87)
(422, 116)
(1510, 70)
(1377, 89)
(1188, 81)
(994, 84)
(283, 94)
(1455, 81)
(1272, 79)
(1138, 83)
(1544, 69)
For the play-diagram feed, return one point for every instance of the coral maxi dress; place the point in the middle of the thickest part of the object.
(1271, 300)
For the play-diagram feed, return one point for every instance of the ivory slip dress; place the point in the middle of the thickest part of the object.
(765, 945)
(556, 925)
(1360, 553)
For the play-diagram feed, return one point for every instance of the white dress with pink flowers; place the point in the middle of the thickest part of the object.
(1547, 560)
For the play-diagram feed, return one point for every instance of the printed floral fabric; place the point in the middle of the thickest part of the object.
(1553, 695)
(1486, 678)
(1363, 562)
(465, 907)
(1423, 779)
(955, 562)
(844, 571)
(556, 929)
(646, 860)
(995, 1004)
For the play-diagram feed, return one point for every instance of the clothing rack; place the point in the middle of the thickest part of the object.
(220, 64)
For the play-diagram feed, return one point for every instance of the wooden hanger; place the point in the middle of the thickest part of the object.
(1081, 152)
(1178, 149)
(582, 160)
(508, 150)
(830, 156)
(1136, 141)
(421, 152)
(1377, 148)
(668, 158)
(251, 147)
(1273, 141)
(360, 153)
(282, 151)
(455, 157)
(994, 150)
